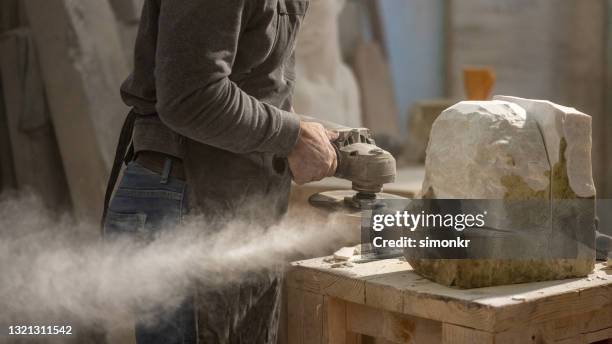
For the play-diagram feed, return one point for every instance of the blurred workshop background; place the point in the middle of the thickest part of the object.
(389, 65)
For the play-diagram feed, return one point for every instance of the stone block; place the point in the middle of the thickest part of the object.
(513, 149)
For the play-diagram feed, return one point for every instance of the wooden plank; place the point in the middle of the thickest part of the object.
(597, 336)
(453, 334)
(7, 171)
(368, 321)
(380, 112)
(608, 148)
(377, 29)
(454, 311)
(328, 284)
(83, 66)
(314, 308)
(306, 313)
(563, 329)
(127, 10)
(12, 15)
(345, 283)
(37, 161)
(497, 309)
(392, 285)
(386, 292)
(551, 332)
(579, 339)
(529, 335)
(337, 330)
(582, 77)
(393, 327)
(283, 326)
(597, 321)
(541, 310)
(295, 311)
(493, 309)
(594, 326)
(129, 33)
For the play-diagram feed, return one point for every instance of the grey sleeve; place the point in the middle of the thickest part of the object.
(197, 45)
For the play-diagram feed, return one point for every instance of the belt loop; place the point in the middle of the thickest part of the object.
(167, 170)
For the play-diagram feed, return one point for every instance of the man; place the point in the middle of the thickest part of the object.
(213, 133)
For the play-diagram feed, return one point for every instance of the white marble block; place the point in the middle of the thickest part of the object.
(477, 150)
(515, 149)
(565, 131)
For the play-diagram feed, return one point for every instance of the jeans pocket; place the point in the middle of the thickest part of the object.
(124, 223)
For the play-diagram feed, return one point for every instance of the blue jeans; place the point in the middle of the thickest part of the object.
(144, 203)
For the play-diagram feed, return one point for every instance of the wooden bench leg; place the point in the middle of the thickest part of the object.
(337, 332)
(305, 316)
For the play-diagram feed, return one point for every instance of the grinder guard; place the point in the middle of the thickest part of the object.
(365, 165)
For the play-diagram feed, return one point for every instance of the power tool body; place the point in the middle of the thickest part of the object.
(367, 166)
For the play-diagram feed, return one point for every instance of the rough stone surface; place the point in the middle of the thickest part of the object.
(563, 129)
(485, 150)
(515, 149)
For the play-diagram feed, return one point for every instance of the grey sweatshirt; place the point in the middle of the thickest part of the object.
(218, 72)
(213, 81)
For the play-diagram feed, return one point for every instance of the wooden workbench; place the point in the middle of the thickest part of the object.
(386, 302)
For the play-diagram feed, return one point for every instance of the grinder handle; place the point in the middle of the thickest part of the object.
(339, 166)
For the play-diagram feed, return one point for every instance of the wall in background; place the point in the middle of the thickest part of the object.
(542, 49)
(414, 38)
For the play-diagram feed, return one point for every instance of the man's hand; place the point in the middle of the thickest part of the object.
(313, 157)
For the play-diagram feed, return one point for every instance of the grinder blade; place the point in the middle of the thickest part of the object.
(345, 201)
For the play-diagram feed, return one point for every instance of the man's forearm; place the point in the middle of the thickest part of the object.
(224, 116)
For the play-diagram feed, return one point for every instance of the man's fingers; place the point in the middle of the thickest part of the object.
(300, 179)
(314, 156)
(334, 163)
(332, 135)
(333, 168)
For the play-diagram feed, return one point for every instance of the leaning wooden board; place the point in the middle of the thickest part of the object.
(83, 65)
(127, 10)
(387, 300)
(36, 158)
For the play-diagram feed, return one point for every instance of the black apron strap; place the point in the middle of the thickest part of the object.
(123, 154)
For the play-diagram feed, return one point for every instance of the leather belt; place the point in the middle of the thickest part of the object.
(158, 162)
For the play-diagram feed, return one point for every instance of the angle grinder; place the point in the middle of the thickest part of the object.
(367, 166)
